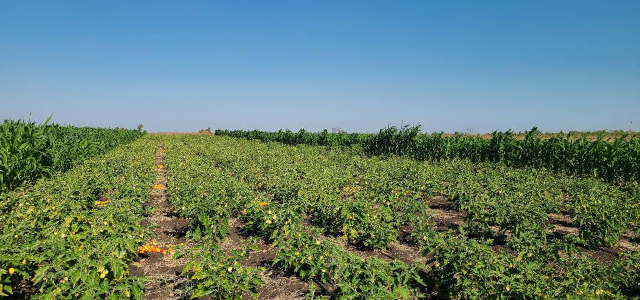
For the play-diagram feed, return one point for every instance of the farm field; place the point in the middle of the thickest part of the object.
(29, 151)
(320, 150)
(615, 159)
(218, 217)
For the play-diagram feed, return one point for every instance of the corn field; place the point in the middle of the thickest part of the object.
(616, 160)
(29, 150)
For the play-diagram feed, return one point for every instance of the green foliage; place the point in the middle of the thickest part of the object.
(319, 196)
(617, 160)
(356, 278)
(307, 202)
(276, 217)
(220, 275)
(64, 246)
(29, 151)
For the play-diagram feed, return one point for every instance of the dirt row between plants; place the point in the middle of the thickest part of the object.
(162, 270)
(167, 283)
(446, 216)
(278, 285)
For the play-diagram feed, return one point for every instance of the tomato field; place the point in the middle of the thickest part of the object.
(253, 215)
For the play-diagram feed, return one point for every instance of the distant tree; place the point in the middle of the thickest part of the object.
(468, 130)
(140, 126)
(337, 130)
(206, 130)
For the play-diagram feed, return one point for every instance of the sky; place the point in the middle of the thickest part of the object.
(359, 65)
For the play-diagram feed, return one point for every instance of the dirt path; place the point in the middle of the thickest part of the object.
(163, 271)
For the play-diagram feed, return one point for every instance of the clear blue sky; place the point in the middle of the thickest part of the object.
(359, 65)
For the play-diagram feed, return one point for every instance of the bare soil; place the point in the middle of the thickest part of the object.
(22, 290)
(163, 271)
(445, 214)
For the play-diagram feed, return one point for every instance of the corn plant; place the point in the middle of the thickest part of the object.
(29, 151)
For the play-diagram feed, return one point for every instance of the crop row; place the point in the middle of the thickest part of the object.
(292, 195)
(29, 151)
(201, 191)
(71, 236)
(617, 160)
(519, 201)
